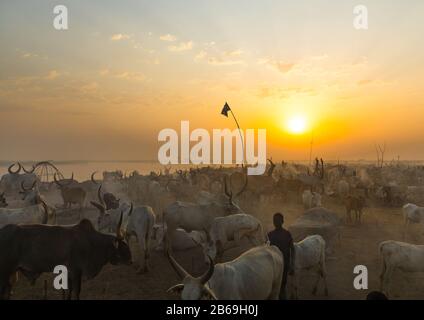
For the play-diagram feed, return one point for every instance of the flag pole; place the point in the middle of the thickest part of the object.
(310, 150)
(241, 136)
(224, 112)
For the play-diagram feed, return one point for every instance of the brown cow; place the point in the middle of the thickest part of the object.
(355, 203)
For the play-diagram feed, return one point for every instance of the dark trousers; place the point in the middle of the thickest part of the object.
(283, 291)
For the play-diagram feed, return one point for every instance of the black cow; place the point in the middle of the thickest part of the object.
(34, 249)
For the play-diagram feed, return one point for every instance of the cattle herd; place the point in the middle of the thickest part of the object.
(219, 215)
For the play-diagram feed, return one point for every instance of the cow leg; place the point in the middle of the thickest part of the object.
(143, 266)
(348, 217)
(77, 285)
(405, 230)
(295, 286)
(323, 272)
(315, 289)
(5, 288)
(74, 284)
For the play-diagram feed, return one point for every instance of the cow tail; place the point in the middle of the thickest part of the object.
(260, 230)
(382, 259)
(45, 218)
(164, 233)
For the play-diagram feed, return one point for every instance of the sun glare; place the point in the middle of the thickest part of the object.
(296, 124)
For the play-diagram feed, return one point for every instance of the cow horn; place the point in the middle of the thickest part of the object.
(61, 185)
(99, 195)
(118, 228)
(55, 180)
(177, 267)
(100, 207)
(227, 193)
(243, 188)
(28, 171)
(131, 210)
(92, 177)
(12, 165)
(208, 274)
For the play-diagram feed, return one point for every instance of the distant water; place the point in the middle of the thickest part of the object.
(83, 169)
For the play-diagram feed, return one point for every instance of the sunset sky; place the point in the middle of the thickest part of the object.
(127, 69)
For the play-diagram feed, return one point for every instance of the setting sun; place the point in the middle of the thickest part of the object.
(296, 124)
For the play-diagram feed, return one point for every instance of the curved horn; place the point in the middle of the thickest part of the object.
(11, 166)
(27, 171)
(243, 188)
(101, 208)
(131, 209)
(99, 195)
(62, 185)
(55, 180)
(208, 274)
(118, 228)
(227, 193)
(177, 267)
(92, 177)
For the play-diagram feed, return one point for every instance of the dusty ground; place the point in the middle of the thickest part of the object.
(358, 245)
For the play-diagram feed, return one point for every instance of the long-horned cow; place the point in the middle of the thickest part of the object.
(192, 216)
(71, 195)
(35, 249)
(11, 182)
(254, 275)
(226, 232)
(35, 211)
(108, 198)
(138, 222)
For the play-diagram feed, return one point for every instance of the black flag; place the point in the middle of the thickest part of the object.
(225, 109)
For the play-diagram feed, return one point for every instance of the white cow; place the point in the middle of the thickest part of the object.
(138, 222)
(343, 188)
(199, 217)
(411, 213)
(255, 275)
(311, 199)
(402, 256)
(36, 214)
(310, 255)
(227, 232)
(181, 240)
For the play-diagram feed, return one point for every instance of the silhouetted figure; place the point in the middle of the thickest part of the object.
(282, 239)
(376, 295)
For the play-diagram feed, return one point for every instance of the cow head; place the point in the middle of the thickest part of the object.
(121, 253)
(63, 186)
(192, 288)
(30, 195)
